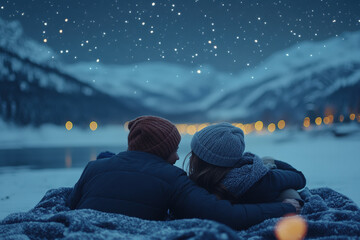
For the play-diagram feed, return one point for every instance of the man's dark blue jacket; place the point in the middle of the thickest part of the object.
(143, 185)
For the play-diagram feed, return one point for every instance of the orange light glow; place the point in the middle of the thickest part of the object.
(292, 227)
(248, 128)
(202, 126)
(271, 127)
(191, 129)
(307, 122)
(93, 125)
(126, 126)
(281, 124)
(331, 118)
(240, 125)
(181, 128)
(45, 40)
(352, 117)
(259, 125)
(318, 121)
(326, 120)
(68, 125)
(341, 118)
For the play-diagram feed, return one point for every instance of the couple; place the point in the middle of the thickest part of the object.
(224, 183)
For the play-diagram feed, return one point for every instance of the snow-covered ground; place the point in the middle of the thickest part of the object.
(324, 159)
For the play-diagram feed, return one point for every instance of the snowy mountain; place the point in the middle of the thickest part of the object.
(171, 90)
(13, 40)
(310, 78)
(34, 92)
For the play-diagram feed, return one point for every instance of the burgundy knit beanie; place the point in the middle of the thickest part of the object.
(153, 135)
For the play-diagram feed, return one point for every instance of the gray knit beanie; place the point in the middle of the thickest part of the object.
(221, 144)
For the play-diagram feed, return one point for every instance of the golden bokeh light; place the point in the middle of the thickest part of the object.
(68, 125)
(93, 125)
(45, 40)
(126, 126)
(326, 120)
(259, 125)
(191, 129)
(271, 127)
(248, 128)
(181, 128)
(307, 122)
(352, 117)
(318, 121)
(341, 118)
(202, 126)
(291, 227)
(281, 124)
(60, 31)
(240, 125)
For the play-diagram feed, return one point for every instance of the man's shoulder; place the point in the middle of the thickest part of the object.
(173, 170)
(140, 162)
(165, 171)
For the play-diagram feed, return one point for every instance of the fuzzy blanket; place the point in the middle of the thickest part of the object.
(329, 215)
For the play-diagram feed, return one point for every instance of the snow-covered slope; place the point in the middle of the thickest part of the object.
(287, 85)
(164, 87)
(34, 92)
(309, 77)
(13, 39)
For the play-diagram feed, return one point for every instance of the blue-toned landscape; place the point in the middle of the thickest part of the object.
(73, 74)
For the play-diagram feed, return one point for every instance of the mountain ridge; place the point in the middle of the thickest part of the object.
(308, 79)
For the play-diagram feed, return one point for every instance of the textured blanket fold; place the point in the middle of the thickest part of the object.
(329, 215)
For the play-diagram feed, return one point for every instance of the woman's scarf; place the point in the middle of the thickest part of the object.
(243, 176)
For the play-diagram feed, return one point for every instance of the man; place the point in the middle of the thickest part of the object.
(142, 182)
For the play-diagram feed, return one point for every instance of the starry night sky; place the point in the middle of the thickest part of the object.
(227, 35)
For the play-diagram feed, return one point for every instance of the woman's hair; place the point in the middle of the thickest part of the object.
(209, 176)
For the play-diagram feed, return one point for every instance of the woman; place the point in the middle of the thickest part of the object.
(218, 163)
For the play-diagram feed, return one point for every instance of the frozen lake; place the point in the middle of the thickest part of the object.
(52, 157)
